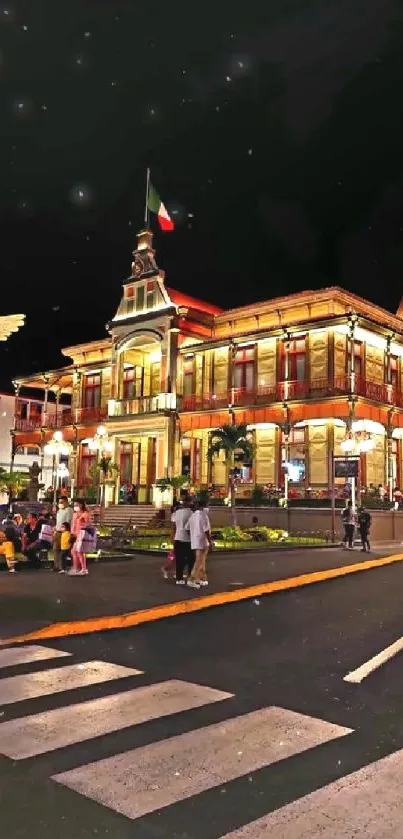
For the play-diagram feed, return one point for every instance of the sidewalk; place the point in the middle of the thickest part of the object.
(33, 599)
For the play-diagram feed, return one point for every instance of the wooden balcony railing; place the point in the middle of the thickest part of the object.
(62, 418)
(142, 405)
(293, 390)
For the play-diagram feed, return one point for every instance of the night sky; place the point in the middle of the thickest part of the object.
(273, 129)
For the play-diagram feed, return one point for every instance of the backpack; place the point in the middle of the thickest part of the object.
(346, 515)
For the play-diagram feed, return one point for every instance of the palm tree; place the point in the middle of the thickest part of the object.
(233, 441)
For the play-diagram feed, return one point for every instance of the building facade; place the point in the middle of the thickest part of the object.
(305, 372)
(20, 457)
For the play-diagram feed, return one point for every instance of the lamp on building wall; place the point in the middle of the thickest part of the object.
(358, 442)
(101, 441)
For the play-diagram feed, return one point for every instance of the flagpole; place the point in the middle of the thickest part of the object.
(146, 211)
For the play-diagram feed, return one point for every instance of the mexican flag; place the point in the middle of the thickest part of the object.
(155, 205)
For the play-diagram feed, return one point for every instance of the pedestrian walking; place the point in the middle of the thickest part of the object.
(349, 520)
(184, 557)
(64, 515)
(81, 521)
(364, 523)
(200, 542)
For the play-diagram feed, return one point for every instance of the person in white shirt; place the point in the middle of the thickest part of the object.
(200, 542)
(184, 557)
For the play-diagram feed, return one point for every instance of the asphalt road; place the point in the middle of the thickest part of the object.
(239, 718)
(32, 599)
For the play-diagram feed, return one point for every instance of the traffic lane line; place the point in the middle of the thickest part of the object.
(182, 607)
(356, 676)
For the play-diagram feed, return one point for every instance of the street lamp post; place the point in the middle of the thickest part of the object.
(56, 447)
(104, 446)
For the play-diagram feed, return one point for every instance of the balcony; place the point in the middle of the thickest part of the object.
(62, 418)
(142, 405)
(293, 390)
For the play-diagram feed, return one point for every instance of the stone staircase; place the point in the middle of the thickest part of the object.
(139, 515)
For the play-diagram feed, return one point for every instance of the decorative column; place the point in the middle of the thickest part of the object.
(352, 322)
(13, 446)
(231, 378)
(75, 396)
(389, 456)
(172, 358)
(390, 395)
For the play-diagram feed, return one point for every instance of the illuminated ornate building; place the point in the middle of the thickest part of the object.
(312, 374)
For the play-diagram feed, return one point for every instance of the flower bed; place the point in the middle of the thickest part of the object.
(229, 538)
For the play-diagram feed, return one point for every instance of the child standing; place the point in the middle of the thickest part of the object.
(8, 547)
(66, 541)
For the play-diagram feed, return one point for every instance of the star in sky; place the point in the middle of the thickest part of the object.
(246, 113)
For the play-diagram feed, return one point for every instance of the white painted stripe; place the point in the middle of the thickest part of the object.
(45, 682)
(146, 779)
(13, 656)
(356, 676)
(40, 733)
(367, 803)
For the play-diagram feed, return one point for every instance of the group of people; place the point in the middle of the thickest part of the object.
(191, 537)
(66, 531)
(351, 520)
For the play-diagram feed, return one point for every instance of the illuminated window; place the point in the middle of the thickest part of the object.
(92, 390)
(132, 382)
(140, 298)
(150, 299)
(188, 376)
(155, 378)
(296, 360)
(295, 455)
(393, 371)
(88, 459)
(244, 370)
(126, 463)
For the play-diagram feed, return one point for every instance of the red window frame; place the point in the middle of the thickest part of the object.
(126, 462)
(132, 382)
(296, 360)
(244, 368)
(393, 371)
(188, 375)
(92, 390)
(88, 458)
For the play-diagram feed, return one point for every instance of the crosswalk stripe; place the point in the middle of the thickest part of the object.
(146, 779)
(62, 727)
(70, 677)
(27, 655)
(366, 803)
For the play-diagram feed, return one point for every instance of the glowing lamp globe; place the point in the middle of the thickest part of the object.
(58, 436)
(347, 445)
(101, 431)
(367, 445)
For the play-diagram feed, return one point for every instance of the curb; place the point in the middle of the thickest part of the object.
(181, 607)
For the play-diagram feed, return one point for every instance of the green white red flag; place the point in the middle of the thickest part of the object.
(156, 206)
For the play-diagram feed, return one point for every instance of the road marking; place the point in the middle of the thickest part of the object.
(146, 779)
(367, 803)
(46, 682)
(194, 604)
(40, 733)
(356, 676)
(27, 655)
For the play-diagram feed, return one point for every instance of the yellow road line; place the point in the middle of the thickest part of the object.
(181, 607)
